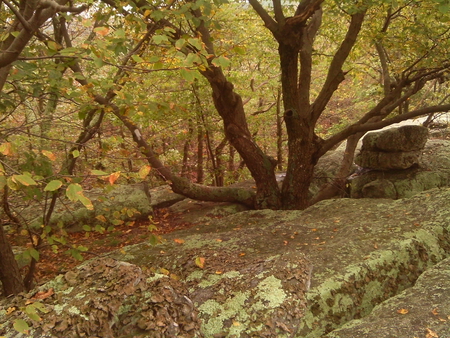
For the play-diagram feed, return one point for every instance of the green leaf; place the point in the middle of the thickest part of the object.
(53, 185)
(73, 192)
(31, 312)
(221, 61)
(82, 248)
(24, 180)
(21, 326)
(188, 75)
(137, 58)
(180, 43)
(195, 43)
(120, 33)
(158, 39)
(87, 228)
(99, 173)
(98, 62)
(75, 153)
(86, 201)
(11, 184)
(34, 253)
(70, 51)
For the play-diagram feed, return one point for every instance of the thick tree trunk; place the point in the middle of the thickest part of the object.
(9, 270)
(229, 105)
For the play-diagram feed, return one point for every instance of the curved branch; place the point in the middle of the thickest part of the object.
(335, 74)
(369, 126)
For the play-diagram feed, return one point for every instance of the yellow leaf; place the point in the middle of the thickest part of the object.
(164, 271)
(179, 241)
(144, 171)
(200, 262)
(101, 218)
(10, 310)
(403, 311)
(49, 154)
(431, 334)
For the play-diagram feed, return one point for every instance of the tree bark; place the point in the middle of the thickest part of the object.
(9, 270)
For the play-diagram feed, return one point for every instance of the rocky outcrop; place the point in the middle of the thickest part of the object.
(252, 274)
(420, 311)
(395, 148)
(432, 171)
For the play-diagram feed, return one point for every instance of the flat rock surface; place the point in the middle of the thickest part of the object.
(258, 273)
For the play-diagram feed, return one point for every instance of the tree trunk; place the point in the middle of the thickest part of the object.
(279, 133)
(219, 173)
(186, 167)
(200, 158)
(230, 107)
(9, 270)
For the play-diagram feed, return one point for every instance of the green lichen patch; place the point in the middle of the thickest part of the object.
(420, 311)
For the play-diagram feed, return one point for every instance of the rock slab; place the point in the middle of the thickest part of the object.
(395, 148)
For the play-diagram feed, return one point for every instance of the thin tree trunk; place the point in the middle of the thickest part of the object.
(219, 173)
(279, 133)
(186, 168)
(9, 270)
(200, 155)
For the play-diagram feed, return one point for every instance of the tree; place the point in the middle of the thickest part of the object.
(297, 36)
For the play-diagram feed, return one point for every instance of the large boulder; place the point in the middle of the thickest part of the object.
(432, 171)
(395, 148)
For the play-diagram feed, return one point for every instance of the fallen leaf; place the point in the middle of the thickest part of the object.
(179, 241)
(44, 294)
(242, 254)
(164, 271)
(10, 310)
(431, 334)
(200, 262)
(435, 312)
(403, 311)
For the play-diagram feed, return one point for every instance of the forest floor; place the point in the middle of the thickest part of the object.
(51, 264)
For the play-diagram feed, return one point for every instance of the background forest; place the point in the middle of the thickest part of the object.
(200, 95)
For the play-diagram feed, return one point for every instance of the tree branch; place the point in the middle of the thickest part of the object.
(278, 11)
(19, 16)
(335, 74)
(270, 23)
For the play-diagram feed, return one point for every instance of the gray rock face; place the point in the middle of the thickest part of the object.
(406, 138)
(396, 148)
(432, 171)
(421, 311)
